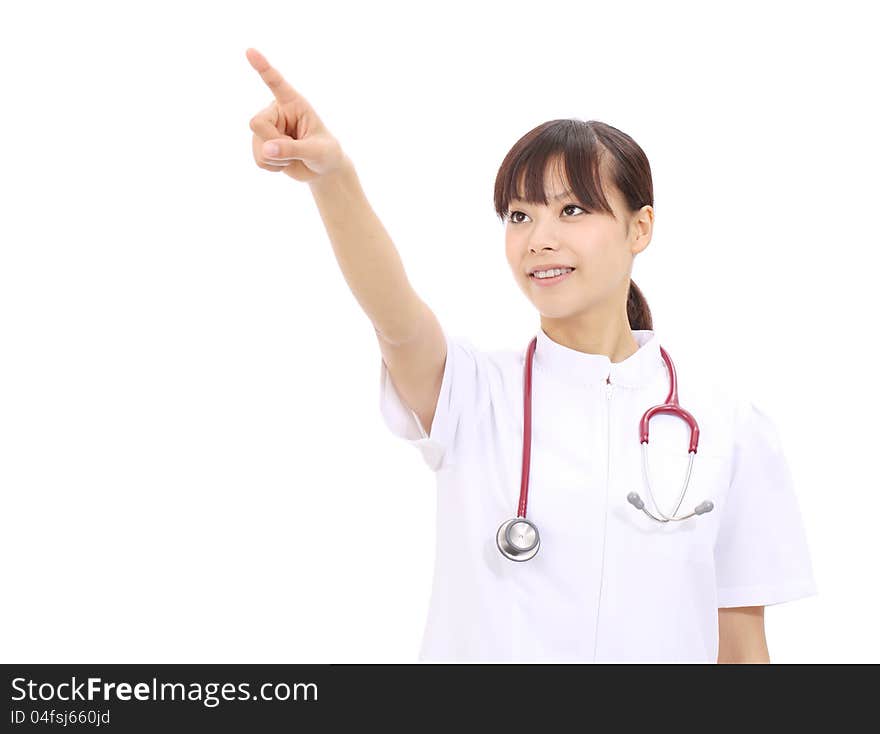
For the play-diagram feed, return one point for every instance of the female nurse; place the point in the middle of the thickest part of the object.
(609, 582)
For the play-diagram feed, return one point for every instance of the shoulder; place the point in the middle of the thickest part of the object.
(498, 360)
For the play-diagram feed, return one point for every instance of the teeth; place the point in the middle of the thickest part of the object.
(551, 273)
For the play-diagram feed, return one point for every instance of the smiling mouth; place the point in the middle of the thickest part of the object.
(551, 281)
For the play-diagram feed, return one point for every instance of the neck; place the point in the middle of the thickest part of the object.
(593, 334)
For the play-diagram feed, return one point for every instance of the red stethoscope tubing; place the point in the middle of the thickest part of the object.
(671, 406)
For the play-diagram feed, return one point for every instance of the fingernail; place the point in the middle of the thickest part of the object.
(271, 149)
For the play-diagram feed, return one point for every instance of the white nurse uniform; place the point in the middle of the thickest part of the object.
(609, 583)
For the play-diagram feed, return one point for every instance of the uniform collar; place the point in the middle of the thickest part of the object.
(582, 368)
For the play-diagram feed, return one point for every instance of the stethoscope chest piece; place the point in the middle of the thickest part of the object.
(518, 539)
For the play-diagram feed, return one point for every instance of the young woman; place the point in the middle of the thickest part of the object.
(575, 522)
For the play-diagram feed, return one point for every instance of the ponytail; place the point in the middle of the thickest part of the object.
(637, 309)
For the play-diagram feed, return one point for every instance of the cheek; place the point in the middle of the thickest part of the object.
(604, 256)
(515, 258)
(599, 269)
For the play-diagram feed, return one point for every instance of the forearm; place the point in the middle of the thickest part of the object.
(741, 636)
(366, 255)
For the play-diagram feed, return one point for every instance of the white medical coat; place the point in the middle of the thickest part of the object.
(608, 583)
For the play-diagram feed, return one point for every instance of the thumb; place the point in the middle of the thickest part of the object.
(284, 148)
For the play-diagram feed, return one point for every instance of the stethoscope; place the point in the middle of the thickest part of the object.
(518, 538)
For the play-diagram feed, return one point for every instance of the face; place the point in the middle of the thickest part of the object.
(600, 247)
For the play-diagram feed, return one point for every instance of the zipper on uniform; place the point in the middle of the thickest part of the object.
(608, 389)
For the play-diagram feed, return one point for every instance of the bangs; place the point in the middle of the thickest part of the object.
(569, 152)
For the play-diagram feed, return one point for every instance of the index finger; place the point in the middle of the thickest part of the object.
(280, 88)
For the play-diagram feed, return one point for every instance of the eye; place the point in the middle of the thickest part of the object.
(511, 215)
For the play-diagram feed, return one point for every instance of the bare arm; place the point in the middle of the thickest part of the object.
(368, 258)
(410, 337)
(741, 637)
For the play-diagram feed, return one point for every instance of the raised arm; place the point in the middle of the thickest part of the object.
(367, 257)
(410, 337)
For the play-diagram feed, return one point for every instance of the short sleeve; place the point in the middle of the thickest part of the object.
(761, 552)
(463, 387)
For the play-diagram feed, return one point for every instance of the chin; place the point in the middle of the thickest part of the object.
(555, 313)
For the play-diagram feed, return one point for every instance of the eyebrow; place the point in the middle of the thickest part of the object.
(563, 195)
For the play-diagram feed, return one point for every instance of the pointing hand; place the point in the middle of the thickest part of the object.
(306, 149)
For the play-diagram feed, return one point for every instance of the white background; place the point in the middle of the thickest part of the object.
(190, 441)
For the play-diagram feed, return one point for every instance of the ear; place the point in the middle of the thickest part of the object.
(642, 228)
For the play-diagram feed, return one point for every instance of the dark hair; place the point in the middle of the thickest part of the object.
(584, 148)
